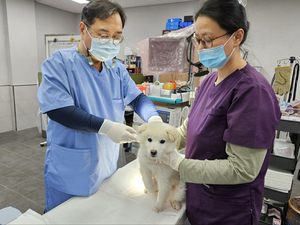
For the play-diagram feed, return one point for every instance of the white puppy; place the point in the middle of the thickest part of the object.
(157, 139)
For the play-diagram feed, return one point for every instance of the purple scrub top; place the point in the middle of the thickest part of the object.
(242, 110)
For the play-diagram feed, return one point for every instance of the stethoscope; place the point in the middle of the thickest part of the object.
(184, 113)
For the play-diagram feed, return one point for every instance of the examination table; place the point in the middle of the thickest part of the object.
(119, 200)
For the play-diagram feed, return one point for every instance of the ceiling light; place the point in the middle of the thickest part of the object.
(81, 1)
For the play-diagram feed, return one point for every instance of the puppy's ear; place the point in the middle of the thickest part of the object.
(173, 134)
(142, 128)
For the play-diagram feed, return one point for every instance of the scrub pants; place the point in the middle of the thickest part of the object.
(54, 197)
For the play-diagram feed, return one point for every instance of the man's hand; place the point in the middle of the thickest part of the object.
(154, 119)
(118, 132)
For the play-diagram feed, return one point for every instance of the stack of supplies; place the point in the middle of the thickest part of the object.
(173, 24)
(278, 179)
(284, 148)
(177, 23)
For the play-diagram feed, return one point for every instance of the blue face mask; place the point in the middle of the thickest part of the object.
(103, 52)
(214, 57)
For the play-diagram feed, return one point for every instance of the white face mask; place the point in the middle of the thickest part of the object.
(103, 52)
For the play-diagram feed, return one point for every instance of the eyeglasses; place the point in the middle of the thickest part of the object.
(105, 38)
(206, 41)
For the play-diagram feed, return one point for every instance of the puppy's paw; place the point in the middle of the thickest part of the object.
(157, 209)
(148, 191)
(176, 205)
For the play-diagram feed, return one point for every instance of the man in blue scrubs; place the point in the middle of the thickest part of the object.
(84, 92)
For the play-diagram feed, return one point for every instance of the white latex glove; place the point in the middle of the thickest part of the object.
(173, 159)
(154, 119)
(117, 132)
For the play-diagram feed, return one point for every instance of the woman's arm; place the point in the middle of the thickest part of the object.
(181, 141)
(242, 166)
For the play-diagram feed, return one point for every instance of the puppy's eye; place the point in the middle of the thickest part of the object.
(149, 139)
(162, 141)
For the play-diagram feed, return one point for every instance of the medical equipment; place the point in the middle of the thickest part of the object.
(169, 114)
(165, 93)
(192, 76)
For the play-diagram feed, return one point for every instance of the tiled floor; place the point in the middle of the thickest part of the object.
(21, 170)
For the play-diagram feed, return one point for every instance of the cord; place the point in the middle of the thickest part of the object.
(296, 67)
(179, 90)
(190, 65)
(198, 64)
(186, 111)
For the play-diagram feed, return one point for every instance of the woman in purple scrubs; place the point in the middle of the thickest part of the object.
(230, 130)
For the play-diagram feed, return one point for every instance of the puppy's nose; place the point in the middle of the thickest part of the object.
(153, 152)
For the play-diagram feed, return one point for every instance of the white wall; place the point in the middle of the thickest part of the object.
(4, 74)
(22, 60)
(18, 63)
(77, 21)
(273, 32)
(150, 21)
(6, 115)
(22, 40)
(51, 21)
(6, 110)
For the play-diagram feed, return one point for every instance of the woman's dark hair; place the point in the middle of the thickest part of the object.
(101, 9)
(229, 14)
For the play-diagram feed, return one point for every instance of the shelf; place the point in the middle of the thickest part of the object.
(167, 100)
(134, 70)
(276, 195)
(268, 220)
(280, 197)
(289, 126)
(284, 163)
(263, 223)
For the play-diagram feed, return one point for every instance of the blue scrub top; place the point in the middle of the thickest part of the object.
(77, 161)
